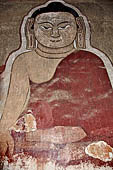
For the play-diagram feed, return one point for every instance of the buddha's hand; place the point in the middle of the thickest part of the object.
(6, 145)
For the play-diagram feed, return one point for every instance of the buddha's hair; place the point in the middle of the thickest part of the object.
(55, 7)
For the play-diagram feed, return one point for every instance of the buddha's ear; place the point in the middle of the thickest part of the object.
(30, 36)
(81, 31)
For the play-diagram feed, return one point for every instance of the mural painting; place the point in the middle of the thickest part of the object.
(56, 95)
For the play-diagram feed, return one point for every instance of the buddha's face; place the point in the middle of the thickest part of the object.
(55, 29)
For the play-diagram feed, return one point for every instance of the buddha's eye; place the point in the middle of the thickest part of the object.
(63, 27)
(43, 27)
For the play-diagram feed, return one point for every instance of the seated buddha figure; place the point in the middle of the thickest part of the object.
(59, 80)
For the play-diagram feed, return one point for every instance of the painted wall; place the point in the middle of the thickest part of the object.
(100, 18)
(99, 13)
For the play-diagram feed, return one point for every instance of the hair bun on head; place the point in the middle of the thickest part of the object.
(55, 7)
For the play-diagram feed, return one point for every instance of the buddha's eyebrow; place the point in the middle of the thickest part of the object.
(45, 23)
(65, 22)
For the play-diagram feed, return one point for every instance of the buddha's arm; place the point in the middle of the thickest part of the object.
(17, 94)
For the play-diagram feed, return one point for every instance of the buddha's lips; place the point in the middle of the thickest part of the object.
(55, 40)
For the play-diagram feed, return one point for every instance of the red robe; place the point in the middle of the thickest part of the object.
(79, 94)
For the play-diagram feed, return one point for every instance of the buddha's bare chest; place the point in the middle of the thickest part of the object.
(42, 71)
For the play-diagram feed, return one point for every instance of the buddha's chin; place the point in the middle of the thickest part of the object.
(55, 47)
(53, 44)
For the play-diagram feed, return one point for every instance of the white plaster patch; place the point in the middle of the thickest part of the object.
(67, 80)
(105, 95)
(30, 123)
(87, 166)
(88, 89)
(57, 135)
(72, 151)
(50, 166)
(53, 81)
(102, 67)
(88, 115)
(27, 123)
(60, 95)
(100, 150)
(40, 90)
(56, 105)
(67, 116)
(34, 99)
(21, 162)
(75, 61)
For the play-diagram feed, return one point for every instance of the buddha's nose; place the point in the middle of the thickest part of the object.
(55, 33)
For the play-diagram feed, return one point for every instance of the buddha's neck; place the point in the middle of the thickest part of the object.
(54, 52)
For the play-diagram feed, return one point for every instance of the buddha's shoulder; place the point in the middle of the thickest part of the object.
(26, 55)
(29, 54)
(23, 57)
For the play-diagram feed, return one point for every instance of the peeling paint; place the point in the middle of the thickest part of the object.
(26, 123)
(30, 123)
(70, 152)
(103, 96)
(76, 60)
(53, 81)
(87, 166)
(67, 80)
(100, 150)
(87, 90)
(40, 90)
(25, 162)
(89, 114)
(21, 162)
(60, 95)
(57, 135)
(102, 67)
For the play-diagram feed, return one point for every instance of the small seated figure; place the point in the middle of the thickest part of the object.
(58, 79)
